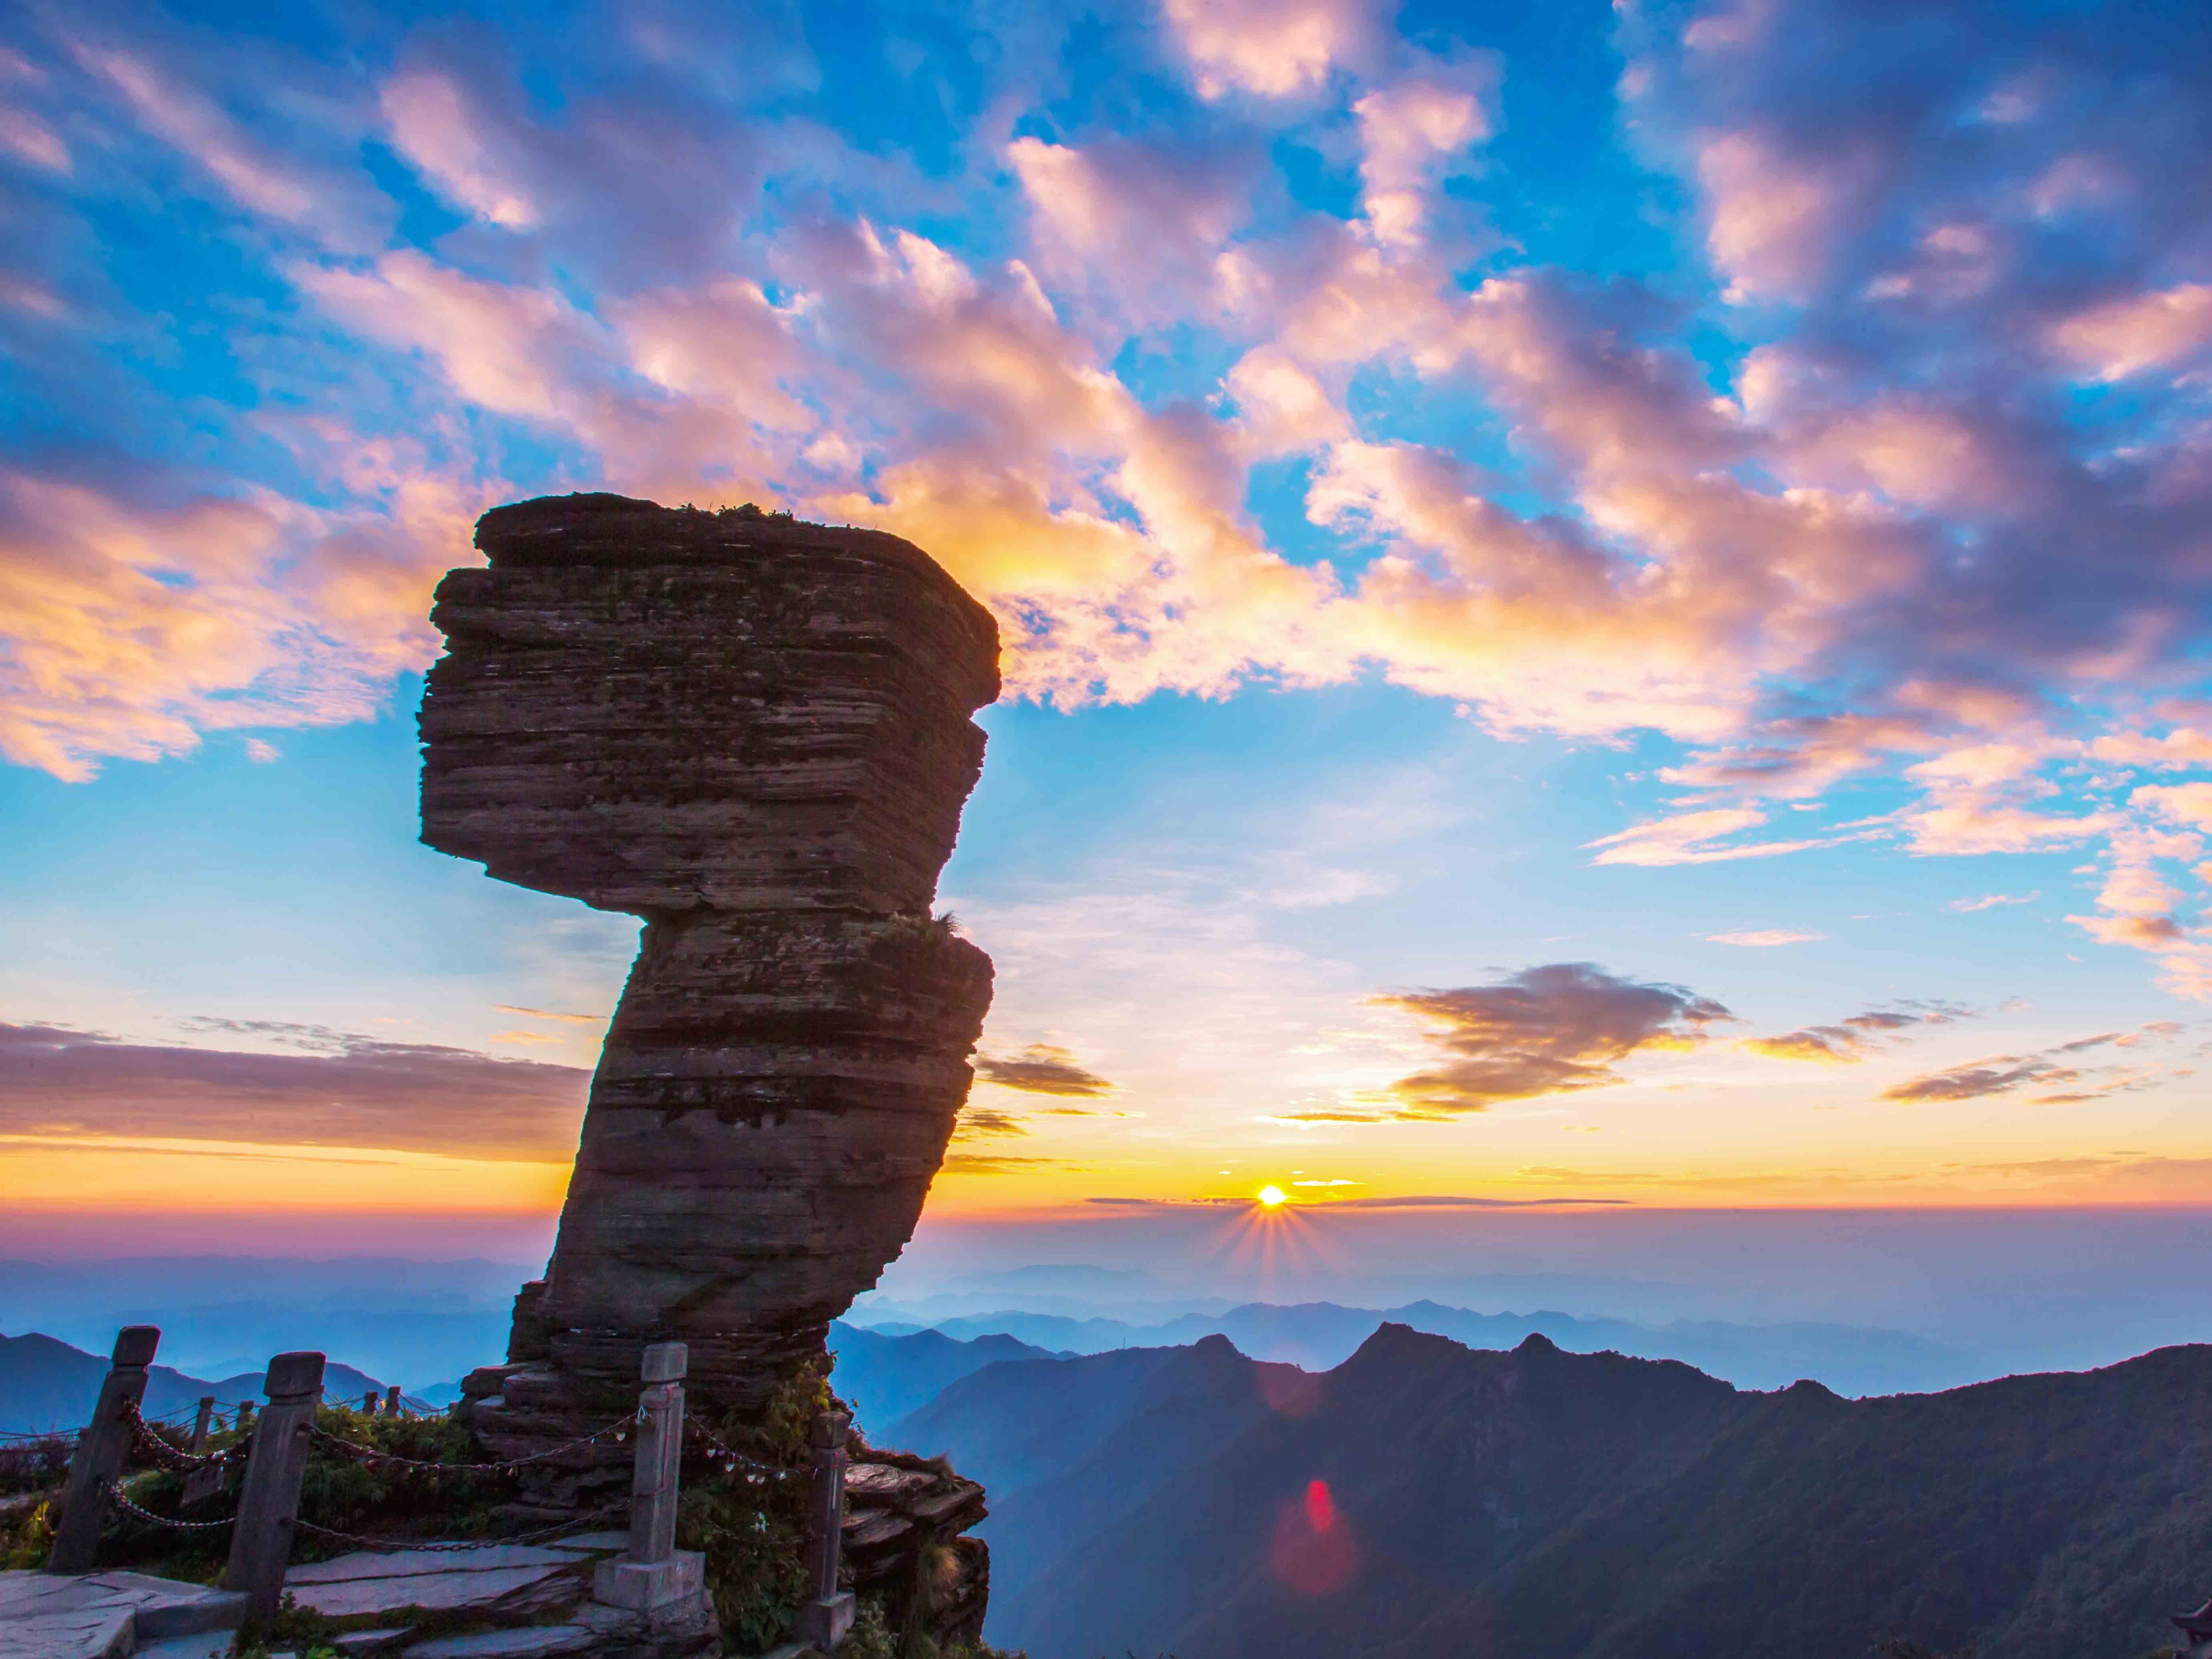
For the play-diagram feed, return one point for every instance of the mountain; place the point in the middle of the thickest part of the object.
(411, 1321)
(885, 1377)
(1066, 1449)
(1424, 1498)
(1319, 1335)
(46, 1385)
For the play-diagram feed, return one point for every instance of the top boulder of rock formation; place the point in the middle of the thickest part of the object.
(658, 710)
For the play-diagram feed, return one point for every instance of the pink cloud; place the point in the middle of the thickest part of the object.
(437, 125)
(1774, 216)
(1690, 838)
(506, 347)
(1411, 129)
(1272, 48)
(1147, 224)
(2185, 803)
(2157, 329)
(26, 137)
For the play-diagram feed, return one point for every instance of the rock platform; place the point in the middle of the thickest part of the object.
(501, 1601)
(111, 1615)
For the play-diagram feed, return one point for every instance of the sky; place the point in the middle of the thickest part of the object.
(1604, 606)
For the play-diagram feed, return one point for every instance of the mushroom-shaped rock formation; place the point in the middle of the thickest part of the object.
(755, 734)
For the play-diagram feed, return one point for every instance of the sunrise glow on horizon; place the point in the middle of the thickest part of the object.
(1602, 607)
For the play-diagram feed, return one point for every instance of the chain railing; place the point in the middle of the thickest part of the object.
(114, 1495)
(176, 1459)
(728, 1458)
(451, 1546)
(370, 1456)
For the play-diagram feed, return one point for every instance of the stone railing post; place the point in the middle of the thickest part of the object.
(653, 1572)
(268, 1504)
(101, 1447)
(391, 1393)
(200, 1423)
(824, 1621)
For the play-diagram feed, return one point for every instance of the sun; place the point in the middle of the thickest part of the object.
(1271, 1195)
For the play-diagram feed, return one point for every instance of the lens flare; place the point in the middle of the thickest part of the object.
(1313, 1553)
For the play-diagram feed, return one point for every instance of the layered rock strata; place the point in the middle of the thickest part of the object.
(754, 733)
(904, 1516)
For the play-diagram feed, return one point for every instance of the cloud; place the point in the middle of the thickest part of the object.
(1856, 1037)
(1545, 1030)
(1411, 130)
(344, 1091)
(1146, 222)
(1990, 901)
(1272, 48)
(2137, 332)
(1775, 214)
(2057, 1066)
(1042, 1069)
(134, 617)
(1980, 1080)
(1764, 937)
(986, 1164)
(1688, 838)
(1870, 538)
(979, 1122)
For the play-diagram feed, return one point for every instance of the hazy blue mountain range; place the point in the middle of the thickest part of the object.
(46, 1384)
(1319, 1335)
(1541, 1504)
(885, 1376)
(416, 1322)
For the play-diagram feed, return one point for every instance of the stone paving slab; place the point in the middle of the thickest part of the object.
(531, 1643)
(368, 1641)
(84, 1633)
(405, 1564)
(443, 1591)
(95, 1615)
(207, 1645)
(594, 1543)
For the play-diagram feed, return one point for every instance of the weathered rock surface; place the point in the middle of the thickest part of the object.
(755, 734)
(904, 1516)
(106, 1616)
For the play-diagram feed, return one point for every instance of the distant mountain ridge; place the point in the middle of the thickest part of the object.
(46, 1385)
(1320, 1335)
(885, 1377)
(1425, 1498)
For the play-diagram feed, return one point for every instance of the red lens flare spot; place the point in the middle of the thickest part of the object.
(1312, 1552)
(1321, 1508)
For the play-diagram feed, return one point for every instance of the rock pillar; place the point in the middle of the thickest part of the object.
(754, 733)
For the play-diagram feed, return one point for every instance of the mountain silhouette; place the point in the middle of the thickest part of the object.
(46, 1386)
(1425, 1498)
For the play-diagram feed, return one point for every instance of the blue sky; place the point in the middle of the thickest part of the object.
(1600, 601)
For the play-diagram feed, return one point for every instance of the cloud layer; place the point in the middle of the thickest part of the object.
(1876, 493)
(345, 1090)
